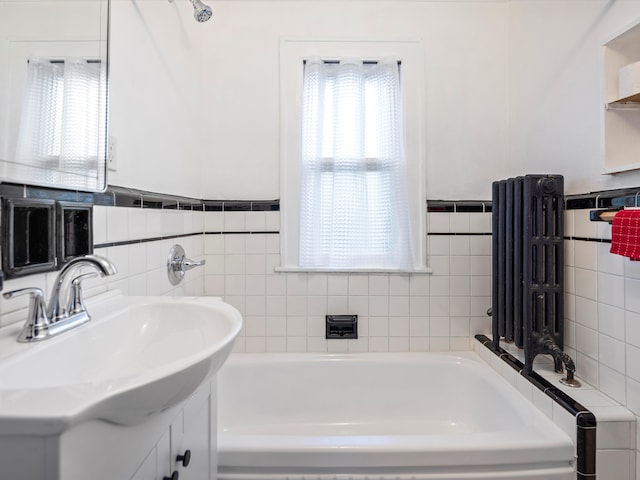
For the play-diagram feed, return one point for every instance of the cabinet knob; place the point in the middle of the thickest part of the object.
(185, 458)
(174, 476)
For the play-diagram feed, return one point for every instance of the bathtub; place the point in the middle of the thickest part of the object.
(381, 416)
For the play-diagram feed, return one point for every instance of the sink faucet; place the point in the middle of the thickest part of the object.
(60, 292)
(46, 321)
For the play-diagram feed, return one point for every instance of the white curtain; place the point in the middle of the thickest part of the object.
(354, 207)
(63, 120)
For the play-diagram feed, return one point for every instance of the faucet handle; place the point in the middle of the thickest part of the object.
(37, 325)
(76, 302)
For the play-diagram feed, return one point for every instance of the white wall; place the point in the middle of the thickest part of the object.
(155, 95)
(555, 88)
(465, 89)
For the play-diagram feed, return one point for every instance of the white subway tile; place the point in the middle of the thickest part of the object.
(586, 255)
(317, 284)
(214, 222)
(255, 344)
(613, 464)
(611, 321)
(256, 221)
(439, 326)
(256, 284)
(276, 326)
(276, 344)
(611, 353)
(632, 325)
(438, 222)
(297, 305)
(459, 222)
(480, 222)
(379, 306)
(419, 326)
(255, 326)
(379, 284)
(438, 245)
(255, 264)
(100, 224)
(378, 326)
(296, 284)
(459, 265)
(272, 221)
(586, 312)
(419, 344)
(586, 283)
(609, 263)
(419, 285)
(439, 344)
(459, 245)
(234, 221)
(611, 289)
(632, 295)
(480, 245)
(399, 306)
(296, 326)
(337, 284)
(235, 264)
(255, 305)
(338, 345)
(296, 344)
(337, 304)
(399, 284)
(117, 224)
(234, 244)
(358, 284)
(399, 327)
(358, 305)
(440, 286)
(399, 344)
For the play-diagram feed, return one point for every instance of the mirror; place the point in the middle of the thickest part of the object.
(53, 93)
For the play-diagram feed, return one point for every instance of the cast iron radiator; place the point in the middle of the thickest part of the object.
(528, 264)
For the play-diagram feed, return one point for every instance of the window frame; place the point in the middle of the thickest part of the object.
(293, 53)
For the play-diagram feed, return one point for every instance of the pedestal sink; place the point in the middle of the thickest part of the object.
(138, 356)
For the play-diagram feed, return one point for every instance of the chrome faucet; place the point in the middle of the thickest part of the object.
(47, 321)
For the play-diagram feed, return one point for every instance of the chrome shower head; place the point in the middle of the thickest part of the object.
(202, 12)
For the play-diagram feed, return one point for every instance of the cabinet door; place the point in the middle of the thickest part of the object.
(196, 437)
(148, 469)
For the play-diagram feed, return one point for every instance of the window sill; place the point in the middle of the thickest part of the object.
(418, 271)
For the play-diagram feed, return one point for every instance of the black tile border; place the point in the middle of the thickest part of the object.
(116, 196)
(615, 198)
(459, 206)
(181, 235)
(586, 423)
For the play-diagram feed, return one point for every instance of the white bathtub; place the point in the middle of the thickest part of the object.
(419, 416)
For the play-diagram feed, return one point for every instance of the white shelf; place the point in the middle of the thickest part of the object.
(621, 115)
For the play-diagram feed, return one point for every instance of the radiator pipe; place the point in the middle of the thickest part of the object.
(545, 344)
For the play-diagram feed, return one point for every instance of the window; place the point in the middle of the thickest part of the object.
(353, 202)
(352, 189)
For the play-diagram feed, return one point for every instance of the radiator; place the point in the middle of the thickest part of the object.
(528, 264)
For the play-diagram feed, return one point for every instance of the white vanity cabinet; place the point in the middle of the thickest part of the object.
(98, 450)
(188, 446)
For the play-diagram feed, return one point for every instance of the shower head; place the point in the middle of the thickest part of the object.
(202, 12)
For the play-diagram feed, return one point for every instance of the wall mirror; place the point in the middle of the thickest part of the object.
(53, 93)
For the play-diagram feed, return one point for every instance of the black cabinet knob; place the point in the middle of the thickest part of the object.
(174, 476)
(185, 458)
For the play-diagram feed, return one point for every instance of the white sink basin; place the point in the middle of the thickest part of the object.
(137, 356)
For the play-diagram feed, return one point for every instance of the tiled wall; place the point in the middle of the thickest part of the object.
(285, 312)
(603, 310)
(137, 241)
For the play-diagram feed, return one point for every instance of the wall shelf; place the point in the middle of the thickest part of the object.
(621, 114)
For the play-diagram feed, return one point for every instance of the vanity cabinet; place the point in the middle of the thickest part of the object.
(99, 450)
(188, 445)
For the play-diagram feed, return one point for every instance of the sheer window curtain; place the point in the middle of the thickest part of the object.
(353, 197)
(62, 117)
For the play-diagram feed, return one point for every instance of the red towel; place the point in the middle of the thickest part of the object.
(625, 234)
